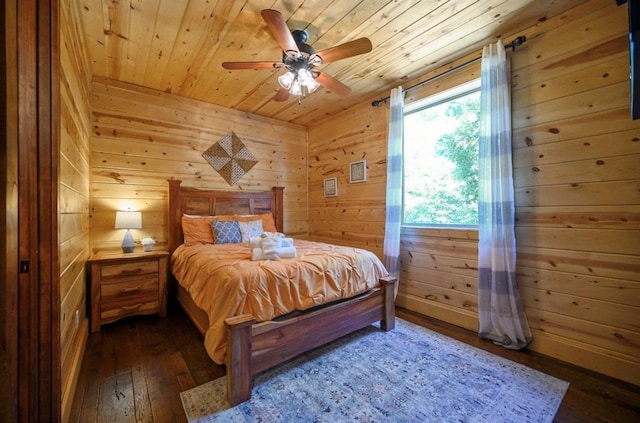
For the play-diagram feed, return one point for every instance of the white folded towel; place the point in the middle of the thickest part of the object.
(271, 243)
(286, 252)
(256, 242)
(272, 235)
(259, 254)
(272, 248)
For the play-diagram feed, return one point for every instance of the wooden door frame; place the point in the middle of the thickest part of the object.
(30, 294)
(8, 225)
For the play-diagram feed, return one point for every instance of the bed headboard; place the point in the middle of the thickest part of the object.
(187, 200)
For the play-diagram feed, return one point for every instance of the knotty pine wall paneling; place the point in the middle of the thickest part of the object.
(576, 176)
(577, 172)
(356, 216)
(73, 196)
(142, 137)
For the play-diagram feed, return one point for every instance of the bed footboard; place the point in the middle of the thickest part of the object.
(252, 348)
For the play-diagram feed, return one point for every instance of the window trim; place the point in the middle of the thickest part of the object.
(449, 94)
(434, 100)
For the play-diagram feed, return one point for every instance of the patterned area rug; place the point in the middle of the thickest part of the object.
(410, 374)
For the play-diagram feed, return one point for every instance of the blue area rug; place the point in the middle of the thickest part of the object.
(410, 374)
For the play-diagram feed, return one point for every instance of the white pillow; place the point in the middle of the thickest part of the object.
(250, 230)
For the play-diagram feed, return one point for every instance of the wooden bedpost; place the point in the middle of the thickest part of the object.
(238, 359)
(389, 286)
(278, 212)
(174, 215)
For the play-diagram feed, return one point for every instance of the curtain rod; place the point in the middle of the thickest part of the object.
(513, 44)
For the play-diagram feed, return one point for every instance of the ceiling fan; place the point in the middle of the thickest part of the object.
(300, 60)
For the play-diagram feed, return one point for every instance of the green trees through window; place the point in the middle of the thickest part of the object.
(441, 159)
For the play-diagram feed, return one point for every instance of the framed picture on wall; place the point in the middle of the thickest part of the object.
(358, 171)
(331, 187)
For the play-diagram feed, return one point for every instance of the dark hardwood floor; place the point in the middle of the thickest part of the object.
(134, 370)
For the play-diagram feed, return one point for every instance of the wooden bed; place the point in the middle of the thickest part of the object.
(254, 347)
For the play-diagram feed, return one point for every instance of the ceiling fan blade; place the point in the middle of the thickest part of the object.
(333, 84)
(249, 65)
(342, 51)
(282, 95)
(279, 29)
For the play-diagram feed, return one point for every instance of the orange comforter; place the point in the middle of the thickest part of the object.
(224, 282)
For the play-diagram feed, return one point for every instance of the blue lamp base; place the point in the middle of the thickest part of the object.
(128, 244)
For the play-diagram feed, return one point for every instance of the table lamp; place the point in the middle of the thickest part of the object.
(128, 220)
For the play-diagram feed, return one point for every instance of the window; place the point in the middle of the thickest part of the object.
(441, 158)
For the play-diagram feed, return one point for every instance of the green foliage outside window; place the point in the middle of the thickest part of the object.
(441, 163)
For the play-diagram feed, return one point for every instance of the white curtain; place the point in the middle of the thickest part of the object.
(500, 308)
(393, 220)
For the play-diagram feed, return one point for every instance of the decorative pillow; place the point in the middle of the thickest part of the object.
(226, 232)
(268, 224)
(252, 229)
(197, 230)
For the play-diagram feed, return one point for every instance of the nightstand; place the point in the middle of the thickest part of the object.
(122, 285)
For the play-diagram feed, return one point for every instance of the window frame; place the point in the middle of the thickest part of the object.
(436, 99)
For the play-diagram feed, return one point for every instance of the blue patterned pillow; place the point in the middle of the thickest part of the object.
(226, 232)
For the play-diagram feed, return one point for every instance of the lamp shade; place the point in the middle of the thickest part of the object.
(297, 81)
(128, 220)
(286, 79)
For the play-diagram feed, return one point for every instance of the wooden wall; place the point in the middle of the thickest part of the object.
(356, 216)
(142, 137)
(73, 196)
(576, 169)
(577, 172)
(9, 210)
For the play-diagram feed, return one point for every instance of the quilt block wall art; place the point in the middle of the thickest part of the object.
(230, 158)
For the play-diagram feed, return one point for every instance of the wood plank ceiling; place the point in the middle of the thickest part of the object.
(178, 46)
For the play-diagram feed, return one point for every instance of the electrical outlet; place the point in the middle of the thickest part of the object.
(77, 318)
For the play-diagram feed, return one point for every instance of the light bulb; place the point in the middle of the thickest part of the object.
(304, 76)
(286, 80)
(312, 85)
(307, 80)
(296, 88)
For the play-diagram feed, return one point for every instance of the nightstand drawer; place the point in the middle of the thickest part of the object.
(119, 270)
(123, 285)
(128, 310)
(131, 292)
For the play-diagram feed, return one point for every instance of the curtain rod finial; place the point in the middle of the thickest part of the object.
(518, 41)
(376, 103)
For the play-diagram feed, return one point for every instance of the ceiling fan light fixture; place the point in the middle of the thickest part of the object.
(286, 80)
(306, 79)
(300, 59)
(296, 88)
(298, 82)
